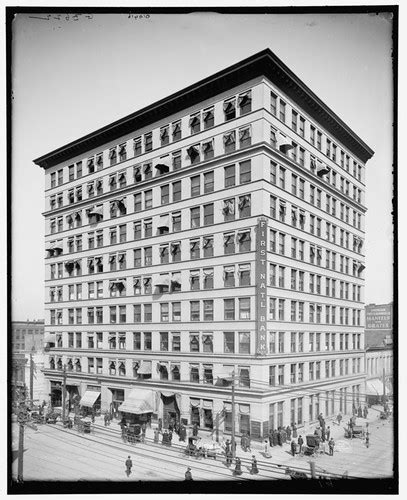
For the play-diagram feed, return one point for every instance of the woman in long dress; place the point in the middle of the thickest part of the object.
(267, 453)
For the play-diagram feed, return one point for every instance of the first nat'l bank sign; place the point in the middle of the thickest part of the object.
(261, 286)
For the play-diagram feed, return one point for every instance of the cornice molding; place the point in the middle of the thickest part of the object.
(264, 63)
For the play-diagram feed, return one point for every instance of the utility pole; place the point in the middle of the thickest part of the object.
(384, 386)
(31, 377)
(22, 417)
(64, 395)
(233, 416)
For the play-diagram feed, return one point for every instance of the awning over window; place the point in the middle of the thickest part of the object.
(164, 221)
(49, 338)
(193, 152)
(194, 119)
(207, 404)
(322, 169)
(229, 138)
(227, 406)
(196, 403)
(176, 280)
(96, 211)
(228, 106)
(208, 114)
(138, 401)
(206, 146)
(283, 144)
(245, 409)
(374, 387)
(228, 207)
(224, 376)
(89, 398)
(163, 281)
(145, 368)
(163, 164)
(243, 98)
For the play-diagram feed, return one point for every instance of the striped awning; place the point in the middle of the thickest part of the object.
(89, 398)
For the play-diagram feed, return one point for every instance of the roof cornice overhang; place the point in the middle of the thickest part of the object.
(265, 63)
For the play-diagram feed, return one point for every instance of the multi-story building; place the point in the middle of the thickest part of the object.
(379, 351)
(27, 347)
(218, 232)
(27, 336)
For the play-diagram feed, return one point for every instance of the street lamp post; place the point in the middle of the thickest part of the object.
(233, 416)
(64, 395)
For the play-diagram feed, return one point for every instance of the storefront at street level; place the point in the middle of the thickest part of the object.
(139, 406)
(90, 402)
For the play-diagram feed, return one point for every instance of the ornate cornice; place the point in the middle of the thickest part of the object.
(264, 63)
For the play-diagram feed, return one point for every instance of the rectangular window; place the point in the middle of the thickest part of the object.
(208, 182)
(229, 309)
(244, 308)
(230, 176)
(194, 310)
(195, 217)
(245, 172)
(208, 214)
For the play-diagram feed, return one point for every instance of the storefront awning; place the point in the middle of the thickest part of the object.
(138, 401)
(89, 398)
(145, 368)
(374, 387)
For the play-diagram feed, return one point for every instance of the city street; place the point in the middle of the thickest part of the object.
(54, 453)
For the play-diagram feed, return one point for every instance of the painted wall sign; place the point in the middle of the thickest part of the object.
(261, 287)
(379, 317)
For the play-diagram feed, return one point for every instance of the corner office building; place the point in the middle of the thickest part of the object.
(220, 229)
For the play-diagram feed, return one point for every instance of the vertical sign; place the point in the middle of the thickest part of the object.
(261, 287)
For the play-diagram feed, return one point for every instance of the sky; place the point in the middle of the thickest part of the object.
(70, 78)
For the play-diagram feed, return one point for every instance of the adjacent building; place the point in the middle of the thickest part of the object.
(379, 351)
(27, 336)
(215, 234)
(28, 358)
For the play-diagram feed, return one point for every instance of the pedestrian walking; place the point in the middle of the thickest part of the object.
(156, 436)
(288, 432)
(293, 447)
(365, 412)
(182, 433)
(300, 443)
(188, 474)
(243, 442)
(195, 429)
(129, 465)
(295, 430)
(328, 433)
(339, 418)
(267, 453)
(283, 436)
(106, 418)
(238, 467)
(367, 439)
(228, 457)
(323, 434)
(271, 437)
(170, 438)
(331, 445)
(275, 437)
(279, 437)
(254, 469)
(360, 414)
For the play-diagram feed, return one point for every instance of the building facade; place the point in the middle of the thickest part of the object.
(27, 336)
(217, 233)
